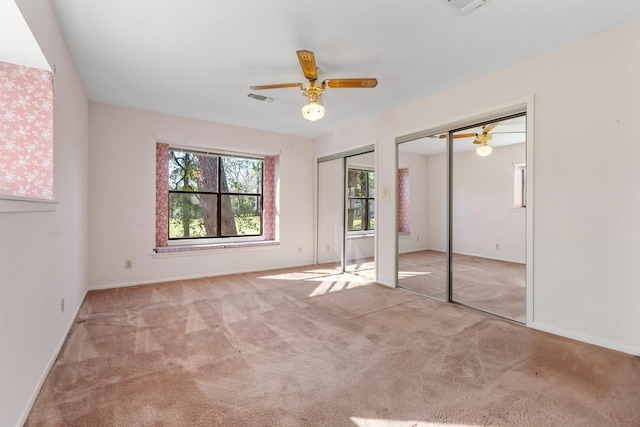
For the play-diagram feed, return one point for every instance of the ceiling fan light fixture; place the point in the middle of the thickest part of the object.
(483, 150)
(313, 111)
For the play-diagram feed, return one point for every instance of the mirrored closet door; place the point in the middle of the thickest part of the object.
(422, 216)
(488, 217)
(462, 215)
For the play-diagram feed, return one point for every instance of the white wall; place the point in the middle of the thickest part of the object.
(122, 197)
(419, 202)
(483, 196)
(330, 214)
(483, 213)
(43, 255)
(586, 225)
(437, 195)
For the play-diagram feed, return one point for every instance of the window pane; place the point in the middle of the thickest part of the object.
(354, 215)
(242, 175)
(372, 214)
(357, 183)
(192, 215)
(241, 215)
(372, 184)
(192, 171)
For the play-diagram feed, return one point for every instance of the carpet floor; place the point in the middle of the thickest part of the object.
(298, 347)
(489, 285)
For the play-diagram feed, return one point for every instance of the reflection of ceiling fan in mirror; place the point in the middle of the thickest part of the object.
(312, 91)
(481, 138)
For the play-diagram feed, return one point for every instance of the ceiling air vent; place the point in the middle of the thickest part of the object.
(260, 97)
(465, 7)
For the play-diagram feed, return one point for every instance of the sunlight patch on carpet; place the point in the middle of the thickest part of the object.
(406, 274)
(376, 422)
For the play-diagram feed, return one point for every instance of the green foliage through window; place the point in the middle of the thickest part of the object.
(212, 195)
(361, 190)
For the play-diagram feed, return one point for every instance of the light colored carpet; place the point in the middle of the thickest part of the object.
(493, 286)
(299, 348)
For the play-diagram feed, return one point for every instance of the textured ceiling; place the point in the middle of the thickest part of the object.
(197, 58)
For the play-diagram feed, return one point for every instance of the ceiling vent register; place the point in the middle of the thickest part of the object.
(465, 7)
(260, 97)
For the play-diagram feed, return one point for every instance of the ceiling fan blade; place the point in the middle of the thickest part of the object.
(488, 128)
(278, 86)
(350, 83)
(308, 64)
(458, 135)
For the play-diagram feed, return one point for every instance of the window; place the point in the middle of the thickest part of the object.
(213, 195)
(520, 186)
(361, 188)
(26, 119)
(26, 132)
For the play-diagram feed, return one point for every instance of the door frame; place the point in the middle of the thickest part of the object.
(343, 155)
(517, 106)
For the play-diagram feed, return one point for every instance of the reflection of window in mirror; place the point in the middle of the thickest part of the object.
(520, 186)
(361, 188)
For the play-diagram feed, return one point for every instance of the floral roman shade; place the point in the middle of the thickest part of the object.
(26, 132)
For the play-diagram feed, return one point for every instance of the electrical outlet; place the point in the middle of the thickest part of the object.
(62, 305)
(128, 264)
(497, 245)
(328, 248)
(299, 249)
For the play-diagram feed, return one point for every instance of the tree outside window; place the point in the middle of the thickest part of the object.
(212, 195)
(361, 188)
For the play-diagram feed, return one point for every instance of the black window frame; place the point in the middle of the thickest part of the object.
(219, 195)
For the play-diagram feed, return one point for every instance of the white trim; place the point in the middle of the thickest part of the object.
(14, 204)
(50, 363)
(266, 270)
(228, 248)
(213, 149)
(519, 105)
(360, 234)
(635, 351)
(488, 257)
(217, 241)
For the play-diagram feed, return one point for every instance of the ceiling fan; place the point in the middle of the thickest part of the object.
(480, 138)
(314, 110)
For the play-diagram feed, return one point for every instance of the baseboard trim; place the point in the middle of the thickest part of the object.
(586, 338)
(50, 363)
(190, 277)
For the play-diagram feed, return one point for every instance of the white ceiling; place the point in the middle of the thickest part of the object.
(197, 58)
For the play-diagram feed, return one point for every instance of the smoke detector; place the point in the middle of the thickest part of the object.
(465, 7)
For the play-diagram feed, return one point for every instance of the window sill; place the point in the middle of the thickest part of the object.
(203, 249)
(13, 204)
(360, 236)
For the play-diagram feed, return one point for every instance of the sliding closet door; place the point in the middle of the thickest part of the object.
(346, 212)
(330, 239)
(422, 216)
(488, 217)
